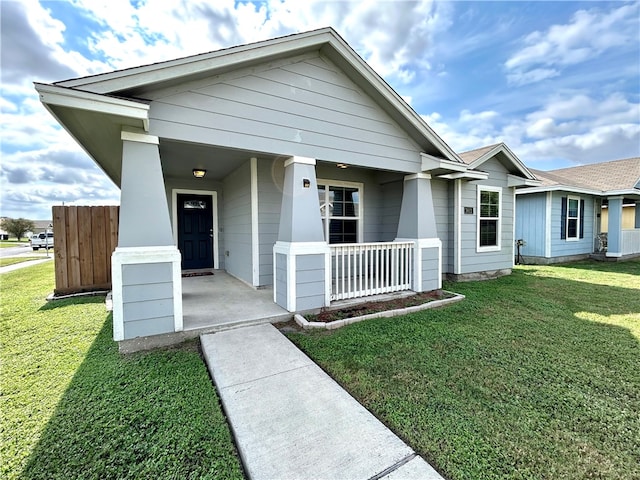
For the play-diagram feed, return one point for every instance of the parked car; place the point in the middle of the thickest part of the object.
(41, 240)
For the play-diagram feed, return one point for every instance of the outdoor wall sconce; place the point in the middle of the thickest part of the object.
(199, 172)
(306, 183)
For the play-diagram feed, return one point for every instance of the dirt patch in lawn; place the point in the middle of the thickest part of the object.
(331, 314)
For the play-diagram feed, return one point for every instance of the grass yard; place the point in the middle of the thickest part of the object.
(73, 407)
(533, 376)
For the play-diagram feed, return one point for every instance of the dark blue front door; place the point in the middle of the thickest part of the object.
(195, 230)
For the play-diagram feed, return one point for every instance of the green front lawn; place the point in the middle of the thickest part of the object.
(535, 375)
(73, 407)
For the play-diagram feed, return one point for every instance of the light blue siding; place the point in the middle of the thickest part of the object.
(560, 247)
(430, 270)
(530, 223)
(281, 279)
(305, 106)
(237, 223)
(147, 296)
(310, 282)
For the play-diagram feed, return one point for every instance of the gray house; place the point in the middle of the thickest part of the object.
(289, 164)
(561, 220)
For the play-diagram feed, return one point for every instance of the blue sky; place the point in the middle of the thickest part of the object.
(559, 82)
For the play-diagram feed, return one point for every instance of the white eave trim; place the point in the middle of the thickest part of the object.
(559, 188)
(469, 175)
(516, 181)
(510, 155)
(66, 97)
(429, 163)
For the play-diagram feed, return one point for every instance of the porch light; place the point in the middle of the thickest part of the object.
(342, 165)
(199, 172)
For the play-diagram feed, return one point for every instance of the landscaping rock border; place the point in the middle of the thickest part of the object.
(307, 325)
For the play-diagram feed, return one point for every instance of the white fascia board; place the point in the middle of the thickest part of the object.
(66, 97)
(194, 65)
(515, 181)
(429, 162)
(515, 161)
(558, 188)
(469, 175)
(625, 192)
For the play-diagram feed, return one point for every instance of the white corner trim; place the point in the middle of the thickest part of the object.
(255, 224)
(302, 160)
(414, 176)
(138, 136)
(457, 262)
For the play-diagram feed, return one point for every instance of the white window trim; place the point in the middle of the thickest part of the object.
(566, 221)
(491, 248)
(341, 183)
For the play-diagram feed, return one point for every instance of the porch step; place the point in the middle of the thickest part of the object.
(291, 420)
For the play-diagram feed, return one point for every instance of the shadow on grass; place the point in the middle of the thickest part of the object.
(148, 415)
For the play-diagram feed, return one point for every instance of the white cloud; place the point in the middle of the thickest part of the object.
(589, 34)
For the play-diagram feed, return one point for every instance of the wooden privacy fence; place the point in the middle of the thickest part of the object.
(83, 240)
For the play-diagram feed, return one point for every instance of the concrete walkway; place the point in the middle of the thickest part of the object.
(292, 421)
(28, 263)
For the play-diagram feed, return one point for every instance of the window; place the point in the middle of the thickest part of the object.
(341, 211)
(489, 224)
(572, 218)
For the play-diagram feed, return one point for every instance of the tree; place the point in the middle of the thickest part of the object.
(18, 226)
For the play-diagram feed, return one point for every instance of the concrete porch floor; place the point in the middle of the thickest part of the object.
(216, 302)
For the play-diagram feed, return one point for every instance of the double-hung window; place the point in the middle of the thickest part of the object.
(489, 218)
(341, 210)
(572, 215)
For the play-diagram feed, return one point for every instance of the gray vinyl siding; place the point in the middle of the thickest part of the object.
(430, 264)
(147, 296)
(390, 210)
(471, 260)
(281, 279)
(270, 180)
(443, 209)
(305, 107)
(310, 282)
(237, 223)
(560, 247)
(530, 223)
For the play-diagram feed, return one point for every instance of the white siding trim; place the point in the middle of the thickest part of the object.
(457, 234)
(547, 225)
(138, 255)
(214, 213)
(302, 160)
(255, 237)
(131, 135)
(513, 224)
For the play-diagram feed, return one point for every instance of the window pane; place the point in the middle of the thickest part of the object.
(572, 228)
(489, 204)
(488, 233)
(573, 208)
(197, 204)
(343, 231)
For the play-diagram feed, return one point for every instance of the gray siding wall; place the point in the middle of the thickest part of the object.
(561, 248)
(530, 223)
(147, 296)
(430, 269)
(443, 207)
(471, 260)
(309, 282)
(237, 223)
(301, 106)
(391, 203)
(270, 180)
(281, 280)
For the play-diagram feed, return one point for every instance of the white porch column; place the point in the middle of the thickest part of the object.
(301, 257)
(614, 234)
(417, 223)
(146, 274)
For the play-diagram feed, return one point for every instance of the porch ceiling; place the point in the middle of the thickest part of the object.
(180, 158)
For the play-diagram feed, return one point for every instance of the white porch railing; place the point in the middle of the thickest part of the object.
(630, 241)
(362, 269)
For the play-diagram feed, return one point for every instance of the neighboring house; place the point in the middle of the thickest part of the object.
(266, 160)
(561, 220)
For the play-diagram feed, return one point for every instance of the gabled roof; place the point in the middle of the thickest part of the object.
(605, 178)
(475, 158)
(133, 83)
